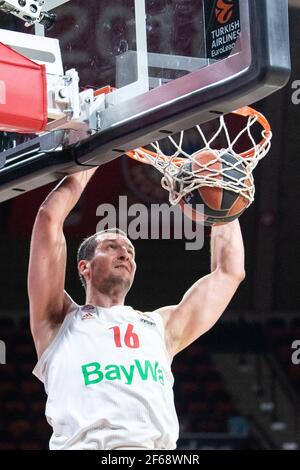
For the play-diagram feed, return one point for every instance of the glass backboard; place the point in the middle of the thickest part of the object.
(140, 45)
(172, 64)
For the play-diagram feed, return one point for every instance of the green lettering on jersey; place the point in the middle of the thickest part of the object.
(128, 374)
(112, 372)
(92, 370)
(160, 377)
(146, 371)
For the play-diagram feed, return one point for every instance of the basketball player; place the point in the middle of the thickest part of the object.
(105, 366)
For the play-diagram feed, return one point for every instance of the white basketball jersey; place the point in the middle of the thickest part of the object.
(109, 383)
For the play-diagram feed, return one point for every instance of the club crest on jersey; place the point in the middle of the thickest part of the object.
(88, 312)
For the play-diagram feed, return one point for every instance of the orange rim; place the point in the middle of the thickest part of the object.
(246, 111)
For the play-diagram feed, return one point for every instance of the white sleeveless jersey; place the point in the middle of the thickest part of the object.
(109, 383)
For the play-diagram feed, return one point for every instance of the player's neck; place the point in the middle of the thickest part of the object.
(104, 300)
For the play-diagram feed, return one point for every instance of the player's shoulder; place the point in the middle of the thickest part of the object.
(143, 314)
(162, 314)
(150, 316)
(165, 313)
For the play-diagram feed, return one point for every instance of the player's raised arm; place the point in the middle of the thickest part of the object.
(46, 275)
(206, 300)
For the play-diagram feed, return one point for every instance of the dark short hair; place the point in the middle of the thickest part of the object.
(88, 246)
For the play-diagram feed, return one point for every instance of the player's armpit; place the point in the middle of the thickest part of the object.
(199, 310)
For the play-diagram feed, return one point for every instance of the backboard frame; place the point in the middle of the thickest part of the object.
(152, 120)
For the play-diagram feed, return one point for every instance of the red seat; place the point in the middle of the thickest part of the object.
(25, 352)
(30, 445)
(26, 369)
(15, 408)
(7, 372)
(7, 389)
(284, 353)
(188, 390)
(195, 351)
(42, 429)
(7, 445)
(38, 408)
(198, 407)
(223, 408)
(201, 370)
(31, 388)
(277, 329)
(214, 387)
(7, 328)
(295, 328)
(208, 426)
(294, 372)
(19, 428)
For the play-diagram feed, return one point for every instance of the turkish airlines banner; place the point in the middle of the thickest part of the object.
(223, 27)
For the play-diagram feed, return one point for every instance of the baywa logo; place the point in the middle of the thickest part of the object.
(224, 10)
(94, 373)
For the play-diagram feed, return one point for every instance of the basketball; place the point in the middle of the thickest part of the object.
(220, 205)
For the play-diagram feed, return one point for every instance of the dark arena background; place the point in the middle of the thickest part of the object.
(238, 386)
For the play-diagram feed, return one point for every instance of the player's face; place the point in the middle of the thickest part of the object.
(113, 264)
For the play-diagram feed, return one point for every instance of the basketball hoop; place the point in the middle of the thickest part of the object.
(183, 172)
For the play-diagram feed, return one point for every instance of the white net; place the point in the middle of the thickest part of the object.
(227, 167)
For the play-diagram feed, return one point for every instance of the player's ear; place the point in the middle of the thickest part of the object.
(83, 267)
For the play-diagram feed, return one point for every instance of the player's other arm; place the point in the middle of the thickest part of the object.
(47, 264)
(206, 300)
